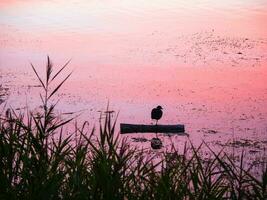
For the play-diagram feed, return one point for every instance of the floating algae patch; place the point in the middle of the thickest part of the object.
(209, 48)
(142, 139)
(243, 143)
(6, 79)
(3, 93)
(208, 131)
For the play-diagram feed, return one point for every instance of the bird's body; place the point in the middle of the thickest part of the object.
(156, 113)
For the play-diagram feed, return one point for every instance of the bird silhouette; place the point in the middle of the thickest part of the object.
(156, 113)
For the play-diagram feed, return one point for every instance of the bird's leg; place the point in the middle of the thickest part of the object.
(157, 129)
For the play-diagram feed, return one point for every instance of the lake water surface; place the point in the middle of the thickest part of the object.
(204, 62)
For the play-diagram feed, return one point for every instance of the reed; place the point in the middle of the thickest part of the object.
(39, 161)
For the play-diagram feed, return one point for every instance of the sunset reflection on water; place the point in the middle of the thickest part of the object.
(203, 61)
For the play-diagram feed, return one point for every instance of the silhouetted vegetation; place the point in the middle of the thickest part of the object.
(39, 160)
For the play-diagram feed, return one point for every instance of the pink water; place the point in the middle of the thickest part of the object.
(204, 62)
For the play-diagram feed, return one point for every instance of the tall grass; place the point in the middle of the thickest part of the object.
(39, 161)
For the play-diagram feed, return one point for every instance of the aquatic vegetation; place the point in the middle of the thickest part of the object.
(39, 160)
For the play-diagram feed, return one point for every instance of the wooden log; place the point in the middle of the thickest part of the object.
(142, 128)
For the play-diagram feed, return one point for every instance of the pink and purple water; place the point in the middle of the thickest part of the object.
(204, 62)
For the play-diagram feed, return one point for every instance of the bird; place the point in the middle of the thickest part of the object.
(156, 113)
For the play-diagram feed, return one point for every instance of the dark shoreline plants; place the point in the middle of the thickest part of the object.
(39, 161)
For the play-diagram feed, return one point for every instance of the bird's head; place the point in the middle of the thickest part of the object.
(159, 107)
